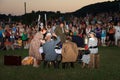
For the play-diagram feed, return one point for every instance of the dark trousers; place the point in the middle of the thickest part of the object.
(67, 64)
(49, 63)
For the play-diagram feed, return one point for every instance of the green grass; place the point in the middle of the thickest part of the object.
(109, 68)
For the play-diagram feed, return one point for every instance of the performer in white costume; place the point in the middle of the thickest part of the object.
(117, 33)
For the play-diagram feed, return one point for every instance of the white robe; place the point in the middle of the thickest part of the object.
(117, 34)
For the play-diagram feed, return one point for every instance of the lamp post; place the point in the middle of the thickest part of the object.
(39, 23)
(25, 19)
(45, 21)
(25, 7)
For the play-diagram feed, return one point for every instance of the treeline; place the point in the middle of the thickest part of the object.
(31, 18)
(103, 7)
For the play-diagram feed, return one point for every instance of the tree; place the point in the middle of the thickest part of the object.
(116, 0)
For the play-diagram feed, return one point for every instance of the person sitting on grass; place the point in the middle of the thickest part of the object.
(8, 44)
(19, 41)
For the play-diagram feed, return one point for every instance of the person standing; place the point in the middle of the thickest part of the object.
(61, 32)
(117, 33)
(88, 29)
(24, 38)
(98, 33)
(1, 36)
(93, 47)
(103, 36)
(34, 47)
(111, 35)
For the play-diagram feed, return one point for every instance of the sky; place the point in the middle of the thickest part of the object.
(16, 7)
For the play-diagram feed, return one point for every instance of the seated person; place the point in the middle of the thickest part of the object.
(49, 49)
(19, 41)
(8, 44)
(69, 53)
(15, 44)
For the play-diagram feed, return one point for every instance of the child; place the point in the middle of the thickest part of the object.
(8, 44)
(12, 38)
(15, 44)
(103, 36)
(19, 41)
(24, 38)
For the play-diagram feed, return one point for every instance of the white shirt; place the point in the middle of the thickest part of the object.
(117, 30)
(93, 42)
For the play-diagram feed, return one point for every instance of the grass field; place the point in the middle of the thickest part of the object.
(109, 68)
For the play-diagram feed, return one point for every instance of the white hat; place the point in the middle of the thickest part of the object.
(48, 34)
(93, 33)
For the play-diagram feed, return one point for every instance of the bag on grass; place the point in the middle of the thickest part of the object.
(28, 61)
(12, 60)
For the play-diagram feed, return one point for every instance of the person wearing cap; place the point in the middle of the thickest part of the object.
(93, 47)
(49, 49)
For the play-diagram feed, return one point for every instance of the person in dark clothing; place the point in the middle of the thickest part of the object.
(80, 44)
(78, 40)
(69, 53)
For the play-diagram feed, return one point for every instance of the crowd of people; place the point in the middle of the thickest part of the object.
(69, 35)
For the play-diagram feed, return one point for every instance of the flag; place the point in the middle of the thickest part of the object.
(39, 21)
(45, 18)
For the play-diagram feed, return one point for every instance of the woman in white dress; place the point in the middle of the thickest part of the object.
(85, 60)
(94, 56)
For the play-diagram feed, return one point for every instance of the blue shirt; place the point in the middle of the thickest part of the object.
(1, 35)
(14, 29)
(49, 49)
(103, 34)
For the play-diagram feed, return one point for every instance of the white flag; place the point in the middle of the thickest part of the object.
(45, 17)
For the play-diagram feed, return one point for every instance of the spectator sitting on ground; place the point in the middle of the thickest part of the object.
(15, 44)
(19, 41)
(8, 44)
(24, 39)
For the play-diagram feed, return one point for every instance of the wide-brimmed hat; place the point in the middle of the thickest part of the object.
(48, 34)
(93, 33)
